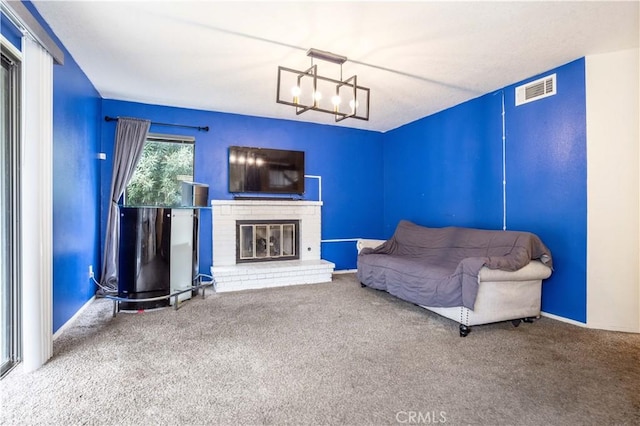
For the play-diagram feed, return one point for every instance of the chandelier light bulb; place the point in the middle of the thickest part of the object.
(316, 98)
(354, 104)
(335, 100)
(295, 91)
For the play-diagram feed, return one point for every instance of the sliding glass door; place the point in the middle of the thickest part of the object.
(9, 212)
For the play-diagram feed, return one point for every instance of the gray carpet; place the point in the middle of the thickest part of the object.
(329, 353)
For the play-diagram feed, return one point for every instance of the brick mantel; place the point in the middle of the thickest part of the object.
(231, 276)
(225, 213)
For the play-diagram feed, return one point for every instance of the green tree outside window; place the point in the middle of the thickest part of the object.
(164, 165)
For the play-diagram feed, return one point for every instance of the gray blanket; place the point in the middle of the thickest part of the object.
(439, 267)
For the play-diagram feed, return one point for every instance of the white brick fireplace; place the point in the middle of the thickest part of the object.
(232, 276)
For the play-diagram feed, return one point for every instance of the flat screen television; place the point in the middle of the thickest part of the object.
(265, 171)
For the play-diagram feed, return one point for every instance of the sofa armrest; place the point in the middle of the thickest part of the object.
(363, 242)
(534, 270)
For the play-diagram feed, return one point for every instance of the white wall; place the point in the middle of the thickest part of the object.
(613, 188)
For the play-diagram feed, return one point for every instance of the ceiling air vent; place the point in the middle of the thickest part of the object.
(535, 90)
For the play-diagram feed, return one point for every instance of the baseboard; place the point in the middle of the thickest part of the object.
(346, 271)
(592, 326)
(563, 319)
(73, 318)
(609, 327)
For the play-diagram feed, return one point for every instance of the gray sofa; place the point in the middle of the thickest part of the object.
(472, 276)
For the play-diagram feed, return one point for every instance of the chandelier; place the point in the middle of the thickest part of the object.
(307, 90)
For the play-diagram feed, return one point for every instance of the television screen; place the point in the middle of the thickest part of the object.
(264, 170)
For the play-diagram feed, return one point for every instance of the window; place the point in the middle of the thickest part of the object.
(9, 212)
(165, 163)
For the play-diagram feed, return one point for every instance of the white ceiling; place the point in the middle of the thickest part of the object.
(417, 58)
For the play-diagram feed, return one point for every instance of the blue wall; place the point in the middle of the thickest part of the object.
(446, 169)
(76, 124)
(10, 32)
(348, 160)
(547, 183)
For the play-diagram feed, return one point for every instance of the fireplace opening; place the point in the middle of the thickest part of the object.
(267, 240)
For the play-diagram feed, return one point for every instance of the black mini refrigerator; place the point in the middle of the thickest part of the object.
(157, 254)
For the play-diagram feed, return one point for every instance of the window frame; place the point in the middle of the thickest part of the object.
(12, 258)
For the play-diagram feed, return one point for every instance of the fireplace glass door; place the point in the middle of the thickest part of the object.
(263, 241)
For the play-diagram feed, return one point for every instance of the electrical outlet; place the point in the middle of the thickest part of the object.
(90, 271)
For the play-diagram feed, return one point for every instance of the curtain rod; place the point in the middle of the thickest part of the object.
(204, 129)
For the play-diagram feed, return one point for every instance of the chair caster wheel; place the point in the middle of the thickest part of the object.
(516, 322)
(529, 319)
(362, 285)
(464, 330)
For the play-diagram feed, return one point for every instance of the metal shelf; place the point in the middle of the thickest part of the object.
(175, 294)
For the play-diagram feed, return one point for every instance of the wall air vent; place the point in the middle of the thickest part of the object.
(535, 90)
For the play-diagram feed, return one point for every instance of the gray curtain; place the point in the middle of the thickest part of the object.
(131, 134)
